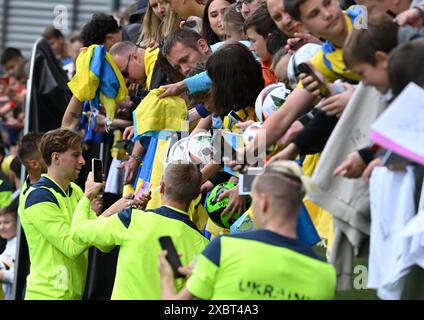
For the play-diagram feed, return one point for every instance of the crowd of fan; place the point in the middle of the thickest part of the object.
(337, 65)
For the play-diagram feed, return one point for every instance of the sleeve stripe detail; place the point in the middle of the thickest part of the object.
(213, 251)
(40, 195)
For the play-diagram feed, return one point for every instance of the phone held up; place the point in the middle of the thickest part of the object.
(172, 255)
(97, 168)
(234, 117)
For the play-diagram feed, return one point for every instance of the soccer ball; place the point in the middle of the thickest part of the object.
(200, 148)
(179, 152)
(304, 54)
(270, 100)
(250, 132)
(214, 207)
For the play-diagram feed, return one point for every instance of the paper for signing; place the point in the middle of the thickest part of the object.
(400, 128)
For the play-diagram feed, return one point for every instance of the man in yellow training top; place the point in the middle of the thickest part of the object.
(269, 263)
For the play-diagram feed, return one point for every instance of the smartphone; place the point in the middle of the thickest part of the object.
(172, 255)
(97, 168)
(145, 187)
(323, 89)
(234, 116)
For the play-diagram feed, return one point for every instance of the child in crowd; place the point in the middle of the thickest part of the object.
(8, 220)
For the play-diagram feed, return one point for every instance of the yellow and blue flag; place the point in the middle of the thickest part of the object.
(155, 116)
(98, 80)
(155, 122)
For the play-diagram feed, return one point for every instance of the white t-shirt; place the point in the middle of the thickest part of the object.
(7, 258)
(392, 207)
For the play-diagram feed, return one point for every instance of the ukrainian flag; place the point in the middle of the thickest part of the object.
(154, 116)
(158, 123)
(98, 80)
(155, 122)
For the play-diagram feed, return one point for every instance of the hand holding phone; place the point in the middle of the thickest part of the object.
(144, 188)
(323, 89)
(97, 168)
(234, 116)
(172, 255)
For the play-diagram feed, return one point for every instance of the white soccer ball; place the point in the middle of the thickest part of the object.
(250, 132)
(270, 100)
(179, 152)
(200, 148)
(304, 54)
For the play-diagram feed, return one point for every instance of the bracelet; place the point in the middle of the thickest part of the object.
(421, 11)
(137, 158)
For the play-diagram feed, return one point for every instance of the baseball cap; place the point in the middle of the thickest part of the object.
(140, 10)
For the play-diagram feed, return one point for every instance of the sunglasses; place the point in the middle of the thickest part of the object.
(124, 72)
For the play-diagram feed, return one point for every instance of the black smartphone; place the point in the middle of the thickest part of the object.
(323, 89)
(97, 168)
(172, 255)
(234, 116)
